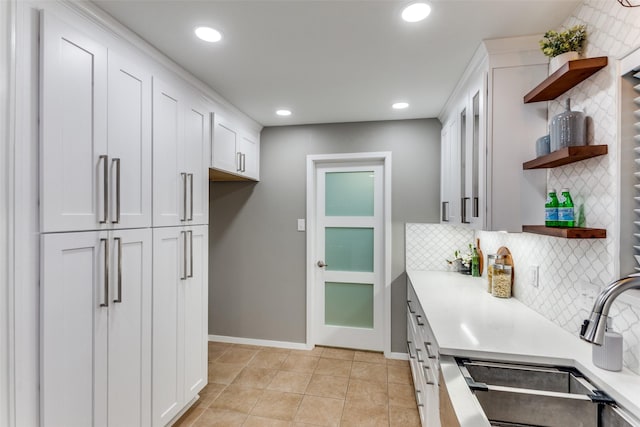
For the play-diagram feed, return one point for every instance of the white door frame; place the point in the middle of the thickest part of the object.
(312, 162)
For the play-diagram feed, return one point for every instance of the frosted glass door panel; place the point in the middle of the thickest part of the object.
(349, 249)
(349, 304)
(349, 193)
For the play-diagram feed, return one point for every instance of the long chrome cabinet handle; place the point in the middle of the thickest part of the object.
(184, 255)
(184, 196)
(418, 351)
(117, 163)
(445, 216)
(244, 162)
(238, 162)
(118, 240)
(106, 273)
(190, 176)
(427, 371)
(190, 253)
(427, 346)
(418, 394)
(476, 207)
(464, 210)
(105, 188)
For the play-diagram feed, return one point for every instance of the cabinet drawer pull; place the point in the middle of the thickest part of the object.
(427, 374)
(238, 162)
(411, 310)
(427, 346)
(418, 394)
(119, 279)
(244, 162)
(418, 350)
(106, 273)
(409, 350)
(105, 188)
(418, 317)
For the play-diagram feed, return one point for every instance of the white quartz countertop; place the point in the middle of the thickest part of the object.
(467, 321)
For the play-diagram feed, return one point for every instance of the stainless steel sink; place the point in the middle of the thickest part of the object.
(528, 395)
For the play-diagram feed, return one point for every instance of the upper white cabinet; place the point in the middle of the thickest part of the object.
(180, 152)
(95, 135)
(96, 328)
(488, 133)
(235, 152)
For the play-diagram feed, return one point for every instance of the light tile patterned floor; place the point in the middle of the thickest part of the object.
(264, 386)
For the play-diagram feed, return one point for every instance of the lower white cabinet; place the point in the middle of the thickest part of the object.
(423, 360)
(96, 329)
(180, 270)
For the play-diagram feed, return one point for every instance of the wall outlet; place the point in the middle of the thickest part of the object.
(533, 278)
(301, 224)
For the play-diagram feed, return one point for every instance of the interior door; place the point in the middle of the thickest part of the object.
(349, 299)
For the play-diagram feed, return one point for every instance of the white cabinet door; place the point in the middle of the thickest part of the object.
(129, 383)
(129, 140)
(224, 151)
(196, 149)
(180, 289)
(169, 179)
(74, 322)
(169, 276)
(450, 173)
(196, 302)
(73, 120)
(249, 149)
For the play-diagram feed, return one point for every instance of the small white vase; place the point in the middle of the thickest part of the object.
(558, 61)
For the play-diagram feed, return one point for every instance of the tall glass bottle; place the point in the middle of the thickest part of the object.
(475, 263)
(566, 214)
(551, 209)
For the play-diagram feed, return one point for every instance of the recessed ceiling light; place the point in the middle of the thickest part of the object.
(416, 12)
(283, 112)
(208, 34)
(400, 105)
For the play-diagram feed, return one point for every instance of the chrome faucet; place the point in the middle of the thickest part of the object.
(594, 328)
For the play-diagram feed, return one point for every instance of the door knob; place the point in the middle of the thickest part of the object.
(322, 264)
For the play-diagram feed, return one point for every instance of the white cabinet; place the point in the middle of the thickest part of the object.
(180, 318)
(96, 328)
(423, 361)
(95, 135)
(488, 133)
(180, 152)
(234, 151)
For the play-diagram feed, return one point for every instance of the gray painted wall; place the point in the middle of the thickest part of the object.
(257, 276)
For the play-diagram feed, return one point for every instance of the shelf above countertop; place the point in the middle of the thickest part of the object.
(566, 155)
(567, 233)
(566, 77)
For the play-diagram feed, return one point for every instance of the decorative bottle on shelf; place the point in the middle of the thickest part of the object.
(551, 209)
(566, 214)
(475, 263)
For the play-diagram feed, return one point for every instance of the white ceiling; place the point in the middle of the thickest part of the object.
(331, 61)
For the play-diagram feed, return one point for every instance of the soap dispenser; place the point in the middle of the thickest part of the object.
(609, 355)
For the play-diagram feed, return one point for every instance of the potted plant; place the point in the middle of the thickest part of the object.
(563, 46)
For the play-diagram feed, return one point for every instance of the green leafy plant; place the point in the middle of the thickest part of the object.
(572, 40)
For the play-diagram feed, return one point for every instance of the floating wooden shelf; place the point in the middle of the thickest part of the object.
(566, 77)
(566, 155)
(567, 233)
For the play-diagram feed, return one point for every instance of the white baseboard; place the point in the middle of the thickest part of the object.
(264, 343)
(399, 356)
